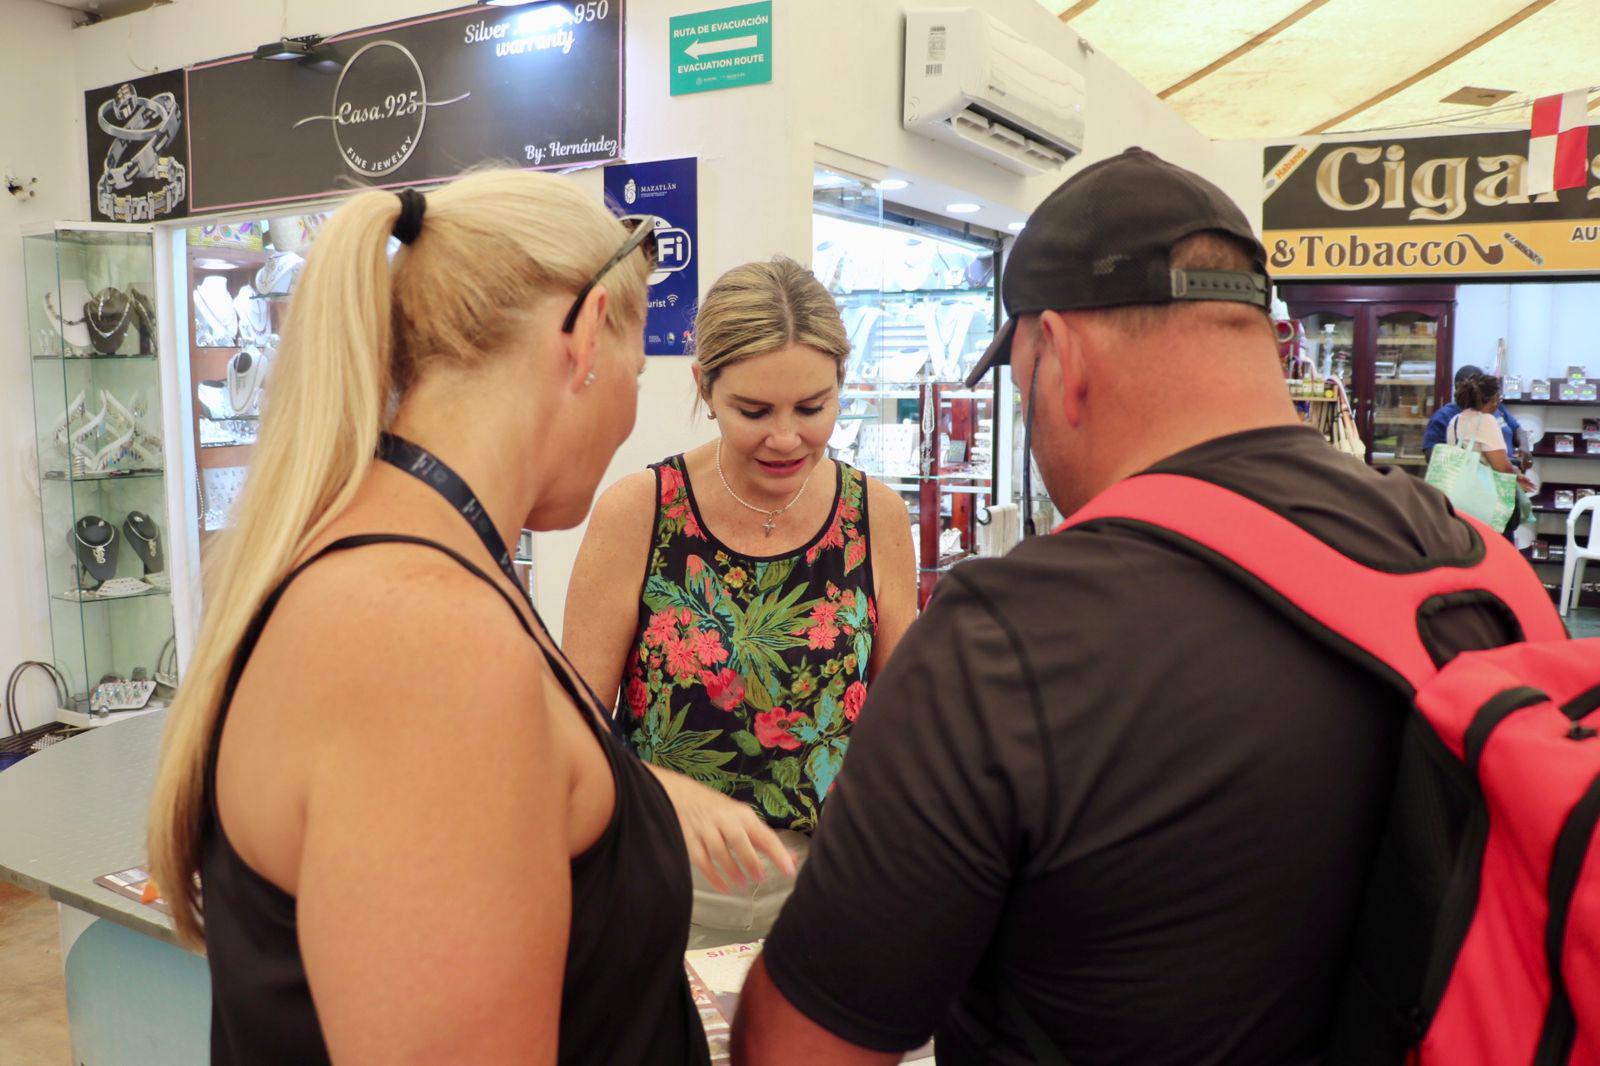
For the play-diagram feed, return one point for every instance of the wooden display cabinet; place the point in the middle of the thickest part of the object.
(1392, 346)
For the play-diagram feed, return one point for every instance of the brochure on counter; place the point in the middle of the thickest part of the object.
(135, 884)
(716, 976)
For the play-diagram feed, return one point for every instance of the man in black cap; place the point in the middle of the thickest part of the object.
(1105, 804)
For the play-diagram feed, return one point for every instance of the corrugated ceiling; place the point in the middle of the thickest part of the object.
(1288, 68)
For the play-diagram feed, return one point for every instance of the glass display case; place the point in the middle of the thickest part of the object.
(1391, 347)
(92, 339)
(1405, 392)
(918, 299)
(239, 278)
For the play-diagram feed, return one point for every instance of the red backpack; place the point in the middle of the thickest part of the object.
(1479, 939)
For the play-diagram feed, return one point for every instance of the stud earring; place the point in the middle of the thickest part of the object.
(588, 379)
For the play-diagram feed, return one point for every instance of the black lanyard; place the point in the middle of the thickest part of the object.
(429, 469)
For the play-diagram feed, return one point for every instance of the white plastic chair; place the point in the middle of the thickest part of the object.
(1579, 553)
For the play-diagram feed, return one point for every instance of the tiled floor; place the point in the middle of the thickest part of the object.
(1584, 622)
(33, 1001)
(33, 1010)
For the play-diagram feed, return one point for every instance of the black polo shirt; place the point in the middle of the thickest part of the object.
(1106, 774)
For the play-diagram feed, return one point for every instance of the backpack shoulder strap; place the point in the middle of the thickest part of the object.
(1373, 612)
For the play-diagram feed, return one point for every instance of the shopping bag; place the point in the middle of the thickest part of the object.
(1474, 487)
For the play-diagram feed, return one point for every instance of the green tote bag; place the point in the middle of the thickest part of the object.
(1474, 487)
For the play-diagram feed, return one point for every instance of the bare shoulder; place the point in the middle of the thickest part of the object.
(380, 611)
(885, 505)
(623, 517)
(628, 504)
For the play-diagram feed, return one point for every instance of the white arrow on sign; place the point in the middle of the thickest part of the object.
(698, 48)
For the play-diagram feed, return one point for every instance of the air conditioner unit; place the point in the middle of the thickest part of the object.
(975, 82)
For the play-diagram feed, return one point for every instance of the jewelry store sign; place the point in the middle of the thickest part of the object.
(1422, 207)
(537, 86)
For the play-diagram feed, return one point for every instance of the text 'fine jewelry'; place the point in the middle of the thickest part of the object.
(772, 516)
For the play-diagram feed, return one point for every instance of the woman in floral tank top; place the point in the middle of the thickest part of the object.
(735, 601)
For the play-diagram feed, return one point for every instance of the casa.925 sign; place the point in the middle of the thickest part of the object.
(1423, 207)
(537, 86)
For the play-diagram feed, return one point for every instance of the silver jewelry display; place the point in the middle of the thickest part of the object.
(217, 320)
(98, 550)
(772, 516)
(99, 314)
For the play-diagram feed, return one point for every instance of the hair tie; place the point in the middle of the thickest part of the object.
(412, 206)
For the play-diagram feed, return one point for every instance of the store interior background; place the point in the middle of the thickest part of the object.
(840, 102)
(841, 106)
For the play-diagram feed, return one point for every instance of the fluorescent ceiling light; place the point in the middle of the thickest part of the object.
(892, 184)
(1015, 227)
(963, 208)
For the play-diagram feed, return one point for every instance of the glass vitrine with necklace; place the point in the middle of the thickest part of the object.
(101, 459)
(239, 277)
(917, 294)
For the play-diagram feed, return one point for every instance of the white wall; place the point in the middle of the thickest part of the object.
(836, 82)
(850, 96)
(40, 137)
(1547, 327)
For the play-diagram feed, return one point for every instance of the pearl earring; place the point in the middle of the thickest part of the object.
(588, 379)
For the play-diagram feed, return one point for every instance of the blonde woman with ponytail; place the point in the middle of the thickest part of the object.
(415, 841)
(742, 597)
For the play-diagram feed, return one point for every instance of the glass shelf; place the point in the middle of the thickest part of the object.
(877, 295)
(94, 358)
(63, 478)
(92, 597)
(946, 476)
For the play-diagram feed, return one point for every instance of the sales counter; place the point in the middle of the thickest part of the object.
(77, 811)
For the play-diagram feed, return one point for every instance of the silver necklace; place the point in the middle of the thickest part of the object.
(772, 516)
(50, 305)
(98, 550)
(150, 542)
(100, 311)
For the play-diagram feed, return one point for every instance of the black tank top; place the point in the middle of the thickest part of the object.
(625, 998)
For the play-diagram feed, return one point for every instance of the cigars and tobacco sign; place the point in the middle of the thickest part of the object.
(1423, 207)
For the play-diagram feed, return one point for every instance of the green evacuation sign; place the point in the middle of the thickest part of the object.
(722, 49)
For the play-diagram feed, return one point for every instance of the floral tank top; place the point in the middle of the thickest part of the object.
(747, 672)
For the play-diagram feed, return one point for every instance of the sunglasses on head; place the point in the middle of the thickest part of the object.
(641, 235)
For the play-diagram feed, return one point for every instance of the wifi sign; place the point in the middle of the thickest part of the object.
(676, 251)
(666, 190)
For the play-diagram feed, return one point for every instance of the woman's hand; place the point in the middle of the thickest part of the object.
(726, 839)
(1525, 484)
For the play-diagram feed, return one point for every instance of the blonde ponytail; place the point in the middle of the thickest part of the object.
(492, 245)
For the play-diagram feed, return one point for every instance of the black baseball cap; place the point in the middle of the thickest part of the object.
(1104, 239)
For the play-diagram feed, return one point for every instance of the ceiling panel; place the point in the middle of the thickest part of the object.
(1161, 43)
(1552, 52)
(1341, 54)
